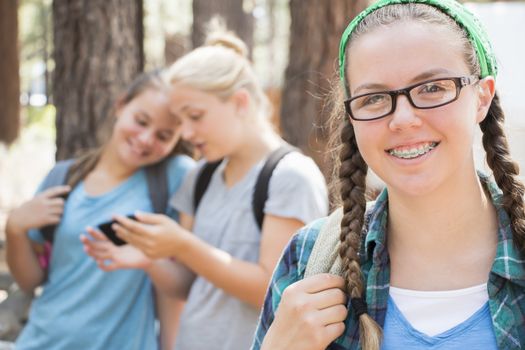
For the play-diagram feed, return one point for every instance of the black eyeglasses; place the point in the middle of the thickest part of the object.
(425, 95)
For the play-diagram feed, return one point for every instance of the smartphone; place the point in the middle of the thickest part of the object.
(110, 233)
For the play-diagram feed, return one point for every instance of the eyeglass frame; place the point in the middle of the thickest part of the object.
(460, 83)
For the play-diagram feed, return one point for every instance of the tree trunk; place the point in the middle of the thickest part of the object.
(316, 27)
(98, 50)
(230, 10)
(9, 76)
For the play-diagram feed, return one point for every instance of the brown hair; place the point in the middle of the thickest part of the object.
(350, 168)
(87, 162)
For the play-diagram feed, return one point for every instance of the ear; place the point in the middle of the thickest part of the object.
(486, 91)
(241, 100)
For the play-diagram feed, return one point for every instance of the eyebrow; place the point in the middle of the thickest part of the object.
(423, 76)
(186, 107)
(166, 132)
(144, 113)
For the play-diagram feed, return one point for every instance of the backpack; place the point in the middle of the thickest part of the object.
(324, 257)
(325, 253)
(156, 177)
(260, 194)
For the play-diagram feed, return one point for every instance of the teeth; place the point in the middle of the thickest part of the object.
(413, 152)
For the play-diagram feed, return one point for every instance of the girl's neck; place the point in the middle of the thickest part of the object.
(109, 172)
(111, 164)
(255, 146)
(452, 228)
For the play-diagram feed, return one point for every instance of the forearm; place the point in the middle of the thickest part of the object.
(22, 259)
(168, 313)
(171, 278)
(242, 279)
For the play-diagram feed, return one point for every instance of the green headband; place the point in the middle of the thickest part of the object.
(477, 35)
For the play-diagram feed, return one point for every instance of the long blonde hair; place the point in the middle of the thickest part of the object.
(220, 67)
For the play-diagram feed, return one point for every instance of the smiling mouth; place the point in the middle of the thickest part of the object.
(412, 152)
(139, 151)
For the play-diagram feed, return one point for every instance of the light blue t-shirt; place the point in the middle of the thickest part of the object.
(474, 333)
(81, 306)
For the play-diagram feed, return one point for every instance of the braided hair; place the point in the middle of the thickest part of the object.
(348, 185)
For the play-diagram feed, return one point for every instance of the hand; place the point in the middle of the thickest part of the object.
(44, 209)
(110, 257)
(156, 235)
(310, 316)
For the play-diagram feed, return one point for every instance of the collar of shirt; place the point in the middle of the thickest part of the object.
(506, 277)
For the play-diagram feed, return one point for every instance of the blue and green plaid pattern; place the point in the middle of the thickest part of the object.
(506, 284)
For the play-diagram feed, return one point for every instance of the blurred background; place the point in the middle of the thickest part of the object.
(64, 61)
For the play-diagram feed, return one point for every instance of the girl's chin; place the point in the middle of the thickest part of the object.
(135, 160)
(415, 186)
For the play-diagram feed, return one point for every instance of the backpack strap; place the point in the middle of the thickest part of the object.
(325, 253)
(156, 176)
(260, 194)
(57, 176)
(203, 180)
(157, 180)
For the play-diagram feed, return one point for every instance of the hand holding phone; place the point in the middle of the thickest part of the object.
(107, 229)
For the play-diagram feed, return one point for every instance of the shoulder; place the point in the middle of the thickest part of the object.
(297, 164)
(181, 162)
(57, 175)
(178, 168)
(297, 171)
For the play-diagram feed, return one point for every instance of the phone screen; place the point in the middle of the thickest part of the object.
(108, 231)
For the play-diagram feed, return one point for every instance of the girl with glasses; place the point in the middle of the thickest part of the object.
(437, 260)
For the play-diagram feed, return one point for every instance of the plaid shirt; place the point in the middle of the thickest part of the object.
(506, 283)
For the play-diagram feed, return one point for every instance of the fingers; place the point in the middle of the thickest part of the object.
(56, 191)
(96, 234)
(150, 218)
(56, 202)
(135, 238)
(132, 226)
(106, 265)
(334, 331)
(53, 219)
(97, 249)
(328, 298)
(333, 314)
(318, 283)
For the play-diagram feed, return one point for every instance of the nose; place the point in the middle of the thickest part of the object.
(404, 115)
(146, 138)
(187, 132)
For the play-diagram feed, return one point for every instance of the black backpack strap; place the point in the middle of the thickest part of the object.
(260, 194)
(157, 179)
(203, 180)
(57, 176)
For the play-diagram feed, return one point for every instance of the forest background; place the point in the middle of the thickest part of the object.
(64, 61)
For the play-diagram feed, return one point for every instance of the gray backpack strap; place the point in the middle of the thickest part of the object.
(56, 177)
(325, 253)
(157, 178)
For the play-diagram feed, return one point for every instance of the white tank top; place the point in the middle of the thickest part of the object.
(446, 309)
